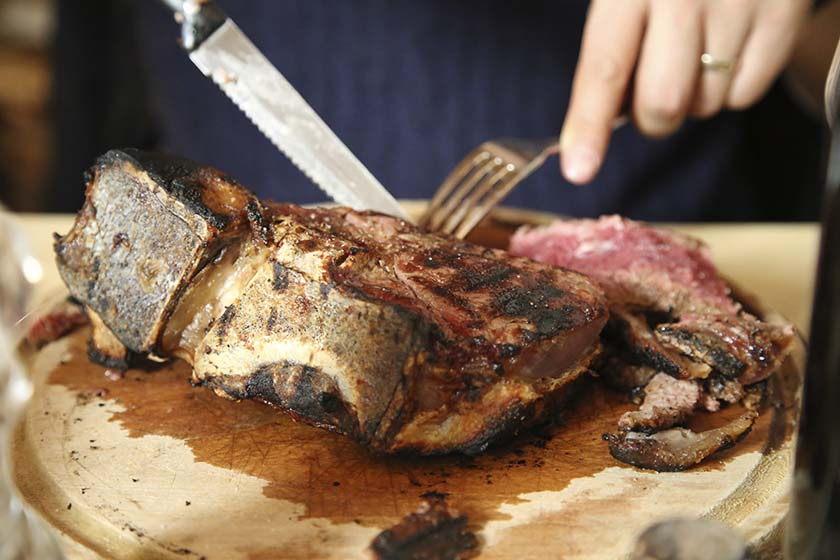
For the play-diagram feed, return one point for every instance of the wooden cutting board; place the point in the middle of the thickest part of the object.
(147, 466)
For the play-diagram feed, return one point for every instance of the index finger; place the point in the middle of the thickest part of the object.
(609, 50)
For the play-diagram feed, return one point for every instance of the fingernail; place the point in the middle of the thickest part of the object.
(580, 163)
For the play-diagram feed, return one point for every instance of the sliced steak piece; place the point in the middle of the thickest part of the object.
(672, 313)
(624, 376)
(677, 449)
(741, 347)
(353, 321)
(636, 340)
(638, 265)
(656, 277)
(724, 390)
(668, 402)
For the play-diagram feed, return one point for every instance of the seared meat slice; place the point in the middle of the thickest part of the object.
(723, 390)
(656, 277)
(636, 340)
(639, 266)
(624, 376)
(352, 321)
(668, 401)
(741, 347)
(669, 312)
(677, 449)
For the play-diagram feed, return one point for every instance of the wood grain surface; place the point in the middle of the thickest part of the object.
(144, 465)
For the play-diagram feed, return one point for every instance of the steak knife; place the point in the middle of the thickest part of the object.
(223, 53)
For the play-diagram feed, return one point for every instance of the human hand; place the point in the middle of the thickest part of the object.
(657, 44)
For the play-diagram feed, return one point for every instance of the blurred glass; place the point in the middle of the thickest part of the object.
(22, 534)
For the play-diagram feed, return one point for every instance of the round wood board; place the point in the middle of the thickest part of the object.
(148, 466)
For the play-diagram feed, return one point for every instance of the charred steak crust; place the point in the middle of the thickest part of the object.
(353, 321)
(193, 185)
(433, 531)
(176, 215)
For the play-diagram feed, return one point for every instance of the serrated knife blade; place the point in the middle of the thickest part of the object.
(224, 53)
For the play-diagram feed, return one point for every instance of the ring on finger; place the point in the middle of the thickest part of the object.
(710, 62)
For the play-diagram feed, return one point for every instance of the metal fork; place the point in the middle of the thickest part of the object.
(481, 180)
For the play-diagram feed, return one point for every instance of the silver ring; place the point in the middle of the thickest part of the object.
(709, 62)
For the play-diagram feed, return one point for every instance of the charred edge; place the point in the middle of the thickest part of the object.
(637, 453)
(281, 276)
(305, 397)
(261, 386)
(257, 221)
(508, 425)
(178, 176)
(507, 350)
(225, 319)
(620, 334)
(272, 320)
(310, 402)
(645, 355)
(476, 279)
(534, 304)
(120, 240)
(725, 363)
(108, 361)
(432, 532)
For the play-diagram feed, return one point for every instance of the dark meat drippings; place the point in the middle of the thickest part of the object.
(432, 532)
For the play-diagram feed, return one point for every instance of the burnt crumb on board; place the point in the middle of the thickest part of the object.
(432, 532)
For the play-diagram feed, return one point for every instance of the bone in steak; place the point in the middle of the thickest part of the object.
(353, 321)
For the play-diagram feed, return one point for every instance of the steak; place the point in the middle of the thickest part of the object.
(356, 322)
(674, 328)
(670, 309)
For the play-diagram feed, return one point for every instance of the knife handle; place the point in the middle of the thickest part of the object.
(198, 19)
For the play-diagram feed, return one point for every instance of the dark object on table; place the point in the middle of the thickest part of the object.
(432, 532)
(814, 527)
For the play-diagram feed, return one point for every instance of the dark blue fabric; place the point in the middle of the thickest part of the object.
(411, 86)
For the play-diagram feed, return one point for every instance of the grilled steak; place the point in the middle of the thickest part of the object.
(670, 309)
(671, 313)
(353, 321)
